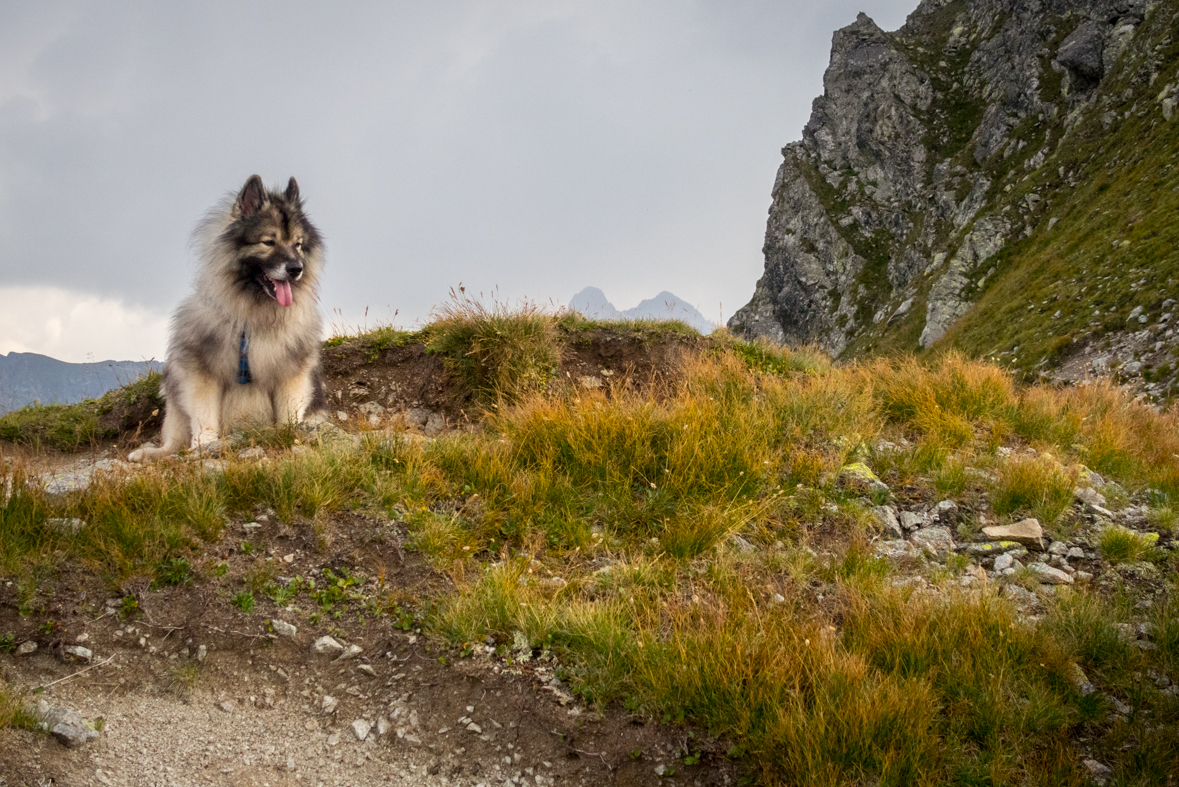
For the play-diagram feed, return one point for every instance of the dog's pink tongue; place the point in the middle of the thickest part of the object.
(282, 291)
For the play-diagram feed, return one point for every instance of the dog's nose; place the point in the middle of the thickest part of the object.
(294, 269)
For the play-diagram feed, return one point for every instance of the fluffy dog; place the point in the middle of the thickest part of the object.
(244, 346)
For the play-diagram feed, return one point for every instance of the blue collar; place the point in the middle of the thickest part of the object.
(243, 361)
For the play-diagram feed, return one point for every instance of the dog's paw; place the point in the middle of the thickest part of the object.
(145, 453)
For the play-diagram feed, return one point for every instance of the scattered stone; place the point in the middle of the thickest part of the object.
(1089, 496)
(936, 541)
(1099, 511)
(859, 476)
(1020, 596)
(360, 728)
(202, 651)
(66, 726)
(1004, 561)
(1058, 548)
(329, 704)
(383, 726)
(349, 653)
(1049, 575)
(1083, 576)
(1097, 772)
(69, 526)
(284, 629)
(475, 728)
(895, 549)
(77, 653)
(1076, 552)
(327, 646)
(911, 520)
(27, 648)
(741, 545)
(946, 511)
(227, 706)
(1027, 532)
(994, 548)
(257, 452)
(367, 669)
(887, 517)
(1081, 681)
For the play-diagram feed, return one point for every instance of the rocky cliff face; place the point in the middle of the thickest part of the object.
(974, 172)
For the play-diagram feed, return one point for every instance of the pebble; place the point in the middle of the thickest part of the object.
(1058, 548)
(361, 728)
(349, 653)
(329, 704)
(27, 648)
(910, 520)
(327, 646)
(66, 726)
(77, 653)
(1049, 575)
(1004, 561)
(284, 629)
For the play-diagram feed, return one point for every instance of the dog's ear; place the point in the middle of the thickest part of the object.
(251, 198)
(292, 190)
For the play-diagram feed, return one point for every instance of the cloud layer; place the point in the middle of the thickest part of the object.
(534, 146)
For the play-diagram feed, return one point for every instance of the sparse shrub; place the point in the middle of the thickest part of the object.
(174, 571)
(1039, 487)
(497, 352)
(1120, 545)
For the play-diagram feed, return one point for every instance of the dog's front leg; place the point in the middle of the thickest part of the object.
(202, 401)
(292, 398)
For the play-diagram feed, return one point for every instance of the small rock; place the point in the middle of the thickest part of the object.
(1004, 561)
(887, 517)
(66, 726)
(741, 545)
(227, 706)
(859, 475)
(936, 541)
(1089, 496)
(329, 704)
(1099, 511)
(1027, 532)
(257, 452)
(1049, 575)
(27, 648)
(327, 646)
(383, 726)
(1020, 596)
(202, 651)
(333, 739)
(946, 511)
(360, 728)
(1081, 681)
(895, 549)
(911, 521)
(349, 653)
(1058, 548)
(77, 653)
(367, 669)
(1076, 552)
(68, 526)
(1097, 772)
(284, 629)
(1083, 576)
(475, 728)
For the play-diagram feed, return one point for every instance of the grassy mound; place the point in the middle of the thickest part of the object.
(690, 551)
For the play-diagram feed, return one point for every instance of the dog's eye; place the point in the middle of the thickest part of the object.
(299, 245)
(267, 243)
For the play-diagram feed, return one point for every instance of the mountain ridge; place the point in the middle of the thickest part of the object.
(26, 378)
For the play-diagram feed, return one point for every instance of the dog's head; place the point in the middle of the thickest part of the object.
(276, 250)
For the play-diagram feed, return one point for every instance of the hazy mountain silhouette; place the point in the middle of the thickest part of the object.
(593, 303)
(28, 377)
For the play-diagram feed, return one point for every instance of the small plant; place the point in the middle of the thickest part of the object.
(129, 607)
(8, 643)
(334, 590)
(174, 571)
(220, 570)
(243, 601)
(281, 594)
(1119, 545)
(247, 547)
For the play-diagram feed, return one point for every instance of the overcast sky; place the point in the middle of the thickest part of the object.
(537, 147)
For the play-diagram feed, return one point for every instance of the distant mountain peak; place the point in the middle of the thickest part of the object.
(593, 303)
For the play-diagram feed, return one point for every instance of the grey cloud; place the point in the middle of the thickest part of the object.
(539, 147)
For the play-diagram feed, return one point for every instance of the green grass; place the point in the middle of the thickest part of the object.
(1119, 545)
(72, 427)
(599, 525)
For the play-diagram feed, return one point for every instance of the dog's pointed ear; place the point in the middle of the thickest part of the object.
(250, 200)
(292, 190)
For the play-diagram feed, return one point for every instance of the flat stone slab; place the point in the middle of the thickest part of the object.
(1027, 532)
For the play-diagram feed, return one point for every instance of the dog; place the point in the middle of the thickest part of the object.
(244, 346)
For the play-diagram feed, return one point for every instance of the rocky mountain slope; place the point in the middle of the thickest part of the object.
(593, 303)
(996, 176)
(28, 377)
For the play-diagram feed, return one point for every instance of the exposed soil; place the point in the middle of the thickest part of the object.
(251, 712)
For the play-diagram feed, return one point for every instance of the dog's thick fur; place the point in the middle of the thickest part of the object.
(257, 250)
